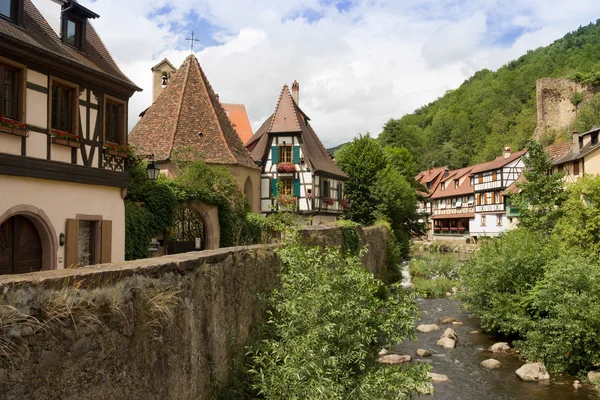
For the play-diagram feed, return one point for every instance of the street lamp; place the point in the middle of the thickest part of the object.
(152, 170)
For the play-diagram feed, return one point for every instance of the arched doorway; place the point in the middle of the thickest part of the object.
(187, 233)
(20, 246)
(249, 192)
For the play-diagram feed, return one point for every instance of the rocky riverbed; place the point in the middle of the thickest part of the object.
(468, 379)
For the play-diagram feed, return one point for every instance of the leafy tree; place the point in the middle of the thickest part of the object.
(361, 159)
(589, 115)
(542, 193)
(402, 161)
(326, 323)
(401, 133)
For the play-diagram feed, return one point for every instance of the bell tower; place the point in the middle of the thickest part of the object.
(161, 74)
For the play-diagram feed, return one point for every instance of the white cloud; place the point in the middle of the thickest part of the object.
(358, 68)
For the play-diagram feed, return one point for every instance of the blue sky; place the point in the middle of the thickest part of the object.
(359, 62)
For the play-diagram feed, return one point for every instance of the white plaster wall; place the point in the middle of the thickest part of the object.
(64, 200)
(37, 144)
(491, 229)
(37, 78)
(61, 153)
(37, 108)
(10, 144)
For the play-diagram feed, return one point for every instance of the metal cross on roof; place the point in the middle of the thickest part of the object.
(192, 40)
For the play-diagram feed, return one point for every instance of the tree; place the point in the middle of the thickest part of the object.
(361, 159)
(589, 115)
(402, 161)
(542, 193)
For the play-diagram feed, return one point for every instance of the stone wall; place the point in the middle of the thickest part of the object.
(555, 111)
(161, 328)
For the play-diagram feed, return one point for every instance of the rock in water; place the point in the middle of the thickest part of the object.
(394, 359)
(490, 363)
(447, 343)
(475, 332)
(577, 385)
(594, 376)
(428, 328)
(533, 372)
(446, 320)
(449, 333)
(500, 347)
(438, 377)
(457, 323)
(423, 353)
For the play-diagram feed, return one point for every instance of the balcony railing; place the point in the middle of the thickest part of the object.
(450, 230)
(489, 208)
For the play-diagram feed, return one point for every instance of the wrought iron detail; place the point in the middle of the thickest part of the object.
(113, 163)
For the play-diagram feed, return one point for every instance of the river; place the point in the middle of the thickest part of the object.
(470, 381)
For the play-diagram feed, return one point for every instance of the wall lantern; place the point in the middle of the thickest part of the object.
(152, 170)
(61, 239)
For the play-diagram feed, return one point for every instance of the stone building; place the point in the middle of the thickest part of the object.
(296, 165)
(187, 114)
(63, 132)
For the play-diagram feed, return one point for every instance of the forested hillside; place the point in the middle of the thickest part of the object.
(472, 123)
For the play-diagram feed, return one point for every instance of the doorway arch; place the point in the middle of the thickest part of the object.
(209, 215)
(249, 192)
(35, 225)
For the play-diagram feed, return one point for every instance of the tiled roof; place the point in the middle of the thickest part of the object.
(498, 162)
(588, 148)
(429, 175)
(512, 188)
(450, 189)
(558, 150)
(239, 119)
(187, 113)
(37, 35)
(289, 118)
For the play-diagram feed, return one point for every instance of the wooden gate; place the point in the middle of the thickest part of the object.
(20, 246)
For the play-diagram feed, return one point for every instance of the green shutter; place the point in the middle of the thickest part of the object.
(296, 155)
(297, 187)
(274, 187)
(274, 154)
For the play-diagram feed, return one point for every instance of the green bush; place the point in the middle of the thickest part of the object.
(350, 237)
(500, 275)
(433, 287)
(565, 306)
(434, 274)
(326, 325)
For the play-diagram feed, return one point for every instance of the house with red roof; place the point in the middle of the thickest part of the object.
(577, 156)
(295, 165)
(187, 114)
(63, 140)
(453, 204)
(429, 180)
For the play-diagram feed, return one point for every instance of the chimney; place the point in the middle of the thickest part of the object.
(506, 151)
(296, 92)
(575, 146)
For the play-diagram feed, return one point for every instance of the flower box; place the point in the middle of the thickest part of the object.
(286, 168)
(13, 127)
(65, 142)
(436, 229)
(445, 229)
(116, 153)
(328, 201)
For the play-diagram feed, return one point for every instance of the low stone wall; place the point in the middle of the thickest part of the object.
(161, 328)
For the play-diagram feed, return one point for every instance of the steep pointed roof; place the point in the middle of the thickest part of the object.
(289, 118)
(239, 119)
(187, 113)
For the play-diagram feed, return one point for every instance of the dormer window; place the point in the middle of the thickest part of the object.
(443, 186)
(10, 9)
(74, 21)
(594, 139)
(456, 184)
(74, 33)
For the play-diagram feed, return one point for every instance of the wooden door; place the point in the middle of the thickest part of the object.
(20, 246)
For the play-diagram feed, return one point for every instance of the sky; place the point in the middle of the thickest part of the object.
(358, 62)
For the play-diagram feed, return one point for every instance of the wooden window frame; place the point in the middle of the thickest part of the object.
(123, 119)
(16, 16)
(102, 240)
(284, 150)
(21, 86)
(576, 167)
(498, 219)
(54, 81)
(483, 221)
(79, 23)
(284, 187)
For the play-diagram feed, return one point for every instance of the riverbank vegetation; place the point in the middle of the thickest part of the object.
(325, 326)
(434, 274)
(540, 283)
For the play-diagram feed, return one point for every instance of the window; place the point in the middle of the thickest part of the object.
(9, 92)
(86, 249)
(480, 178)
(458, 203)
(325, 186)
(494, 176)
(443, 186)
(483, 220)
(114, 122)
(497, 197)
(428, 184)
(471, 181)
(488, 198)
(456, 184)
(8, 9)
(575, 167)
(454, 202)
(471, 200)
(287, 187)
(74, 33)
(285, 153)
(62, 108)
(499, 220)
(594, 139)
(561, 167)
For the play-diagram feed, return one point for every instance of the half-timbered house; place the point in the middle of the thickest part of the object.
(295, 164)
(63, 137)
(187, 114)
(490, 181)
(578, 156)
(453, 204)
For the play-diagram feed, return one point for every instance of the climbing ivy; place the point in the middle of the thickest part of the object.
(350, 237)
